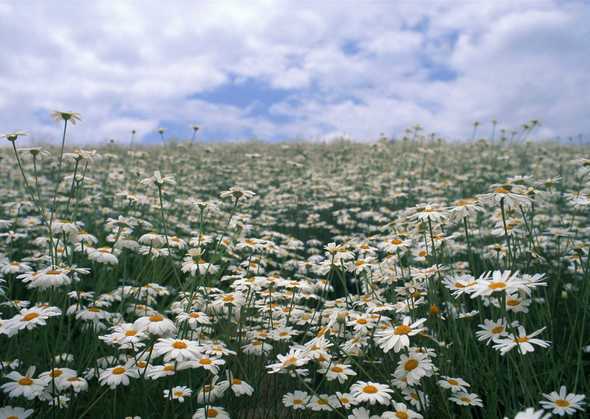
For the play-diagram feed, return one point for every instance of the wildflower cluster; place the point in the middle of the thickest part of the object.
(411, 280)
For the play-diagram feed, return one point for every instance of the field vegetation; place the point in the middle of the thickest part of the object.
(400, 279)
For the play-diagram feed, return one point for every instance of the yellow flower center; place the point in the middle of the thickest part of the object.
(30, 316)
(156, 318)
(322, 401)
(402, 330)
(362, 321)
(522, 339)
(236, 381)
(562, 403)
(292, 360)
(25, 381)
(452, 382)
(410, 364)
(131, 333)
(94, 309)
(168, 367)
(401, 415)
(370, 389)
(498, 329)
(212, 413)
(56, 373)
(205, 361)
(118, 370)
(497, 285)
(179, 345)
(337, 370)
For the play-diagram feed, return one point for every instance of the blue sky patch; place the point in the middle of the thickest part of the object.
(245, 93)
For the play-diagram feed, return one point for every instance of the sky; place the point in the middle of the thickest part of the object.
(288, 70)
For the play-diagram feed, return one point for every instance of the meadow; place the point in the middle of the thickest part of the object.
(416, 278)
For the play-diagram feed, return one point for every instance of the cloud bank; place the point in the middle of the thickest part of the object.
(286, 70)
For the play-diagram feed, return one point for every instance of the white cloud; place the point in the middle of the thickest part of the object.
(354, 70)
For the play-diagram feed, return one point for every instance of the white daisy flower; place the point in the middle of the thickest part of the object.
(563, 403)
(178, 393)
(371, 392)
(397, 337)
